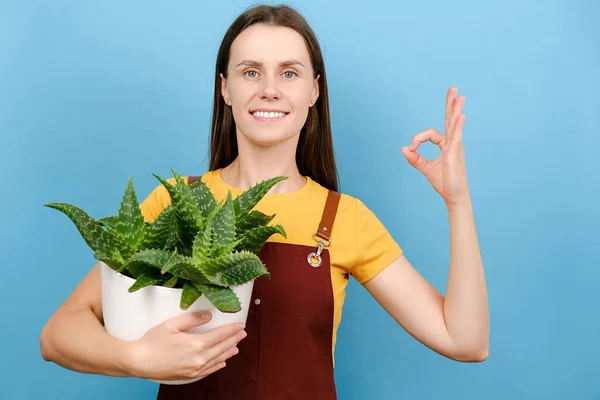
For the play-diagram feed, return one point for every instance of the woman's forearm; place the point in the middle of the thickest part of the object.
(466, 301)
(76, 340)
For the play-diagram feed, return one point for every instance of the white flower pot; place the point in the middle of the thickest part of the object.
(130, 315)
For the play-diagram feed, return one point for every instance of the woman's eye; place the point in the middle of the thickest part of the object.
(254, 74)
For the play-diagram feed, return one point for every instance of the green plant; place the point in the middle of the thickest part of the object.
(196, 244)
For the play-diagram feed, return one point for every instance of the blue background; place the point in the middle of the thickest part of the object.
(94, 92)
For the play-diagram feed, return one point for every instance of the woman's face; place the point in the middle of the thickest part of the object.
(270, 84)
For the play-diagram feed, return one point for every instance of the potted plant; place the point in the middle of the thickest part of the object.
(197, 255)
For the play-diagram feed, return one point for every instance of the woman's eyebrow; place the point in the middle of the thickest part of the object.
(257, 64)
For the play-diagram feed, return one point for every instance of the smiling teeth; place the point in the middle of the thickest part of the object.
(261, 114)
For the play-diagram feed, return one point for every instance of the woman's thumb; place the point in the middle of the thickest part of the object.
(189, 320)
(412, 157)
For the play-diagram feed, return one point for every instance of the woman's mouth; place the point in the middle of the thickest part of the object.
(268, 115)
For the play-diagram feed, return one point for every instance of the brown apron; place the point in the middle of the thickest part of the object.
(287, 353)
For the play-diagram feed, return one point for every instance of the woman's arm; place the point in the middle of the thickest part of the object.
(456, 326)
(74, 337)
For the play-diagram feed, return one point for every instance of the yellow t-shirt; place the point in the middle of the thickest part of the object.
(361, 245)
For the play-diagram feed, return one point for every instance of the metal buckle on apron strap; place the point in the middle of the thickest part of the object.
(325, 226)
(317, 255)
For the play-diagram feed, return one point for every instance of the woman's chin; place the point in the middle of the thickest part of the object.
(269, 139)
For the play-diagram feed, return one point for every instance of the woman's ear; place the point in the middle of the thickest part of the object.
(315, 94)
(224, 90)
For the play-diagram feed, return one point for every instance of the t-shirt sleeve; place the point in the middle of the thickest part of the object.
(376, 248)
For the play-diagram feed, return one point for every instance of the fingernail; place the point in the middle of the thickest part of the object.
(205, 314)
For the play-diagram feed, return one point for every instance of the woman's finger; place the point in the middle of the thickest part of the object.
(218, 335)
(456, 112)
(212, 370)
(210, 353)
(429, 135)
(458, 130)
(415, 159)
(450, 99)
(219, 360)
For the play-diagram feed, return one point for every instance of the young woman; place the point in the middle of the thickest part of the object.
(271, 118)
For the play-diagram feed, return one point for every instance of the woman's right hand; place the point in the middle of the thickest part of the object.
(167, 352)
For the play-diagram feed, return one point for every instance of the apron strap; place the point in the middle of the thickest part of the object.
(331, 206)
(192, 179)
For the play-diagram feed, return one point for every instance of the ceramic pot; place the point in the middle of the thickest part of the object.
(130, 315)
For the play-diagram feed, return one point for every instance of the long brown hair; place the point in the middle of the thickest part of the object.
(314, 154)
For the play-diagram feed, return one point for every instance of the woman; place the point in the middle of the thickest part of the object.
(270, 118)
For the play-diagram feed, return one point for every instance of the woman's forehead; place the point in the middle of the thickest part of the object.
(269, 45)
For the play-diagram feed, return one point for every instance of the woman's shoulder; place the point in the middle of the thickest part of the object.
(346, 205)
(347, 202)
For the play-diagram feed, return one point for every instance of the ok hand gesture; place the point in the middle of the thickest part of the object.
(447, 173)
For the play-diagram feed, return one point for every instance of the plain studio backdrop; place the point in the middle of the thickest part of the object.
(95, 92)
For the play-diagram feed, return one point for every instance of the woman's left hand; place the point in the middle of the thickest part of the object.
(447, 173)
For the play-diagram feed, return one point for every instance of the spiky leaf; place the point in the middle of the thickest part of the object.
(224, 225)
(137, 268)
(171, 282)
(252, 220)
(203, 244)
(236, 269)
(157, 258)
(188, 217)
(109, 223)
(228, 262)
(226, 249)
(188, 270)
(130, 224)
(189, 295)
(204, 197)
(162, 232)
(248, 199)
(254, 239)
(98, 239)
(169, 261)
(224, 299)
(145, 280)
(113, 260)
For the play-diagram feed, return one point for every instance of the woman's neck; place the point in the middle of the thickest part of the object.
(246, 171)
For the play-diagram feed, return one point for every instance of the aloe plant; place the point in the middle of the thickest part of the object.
(195, 243)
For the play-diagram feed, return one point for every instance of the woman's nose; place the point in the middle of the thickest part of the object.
(270, 89)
